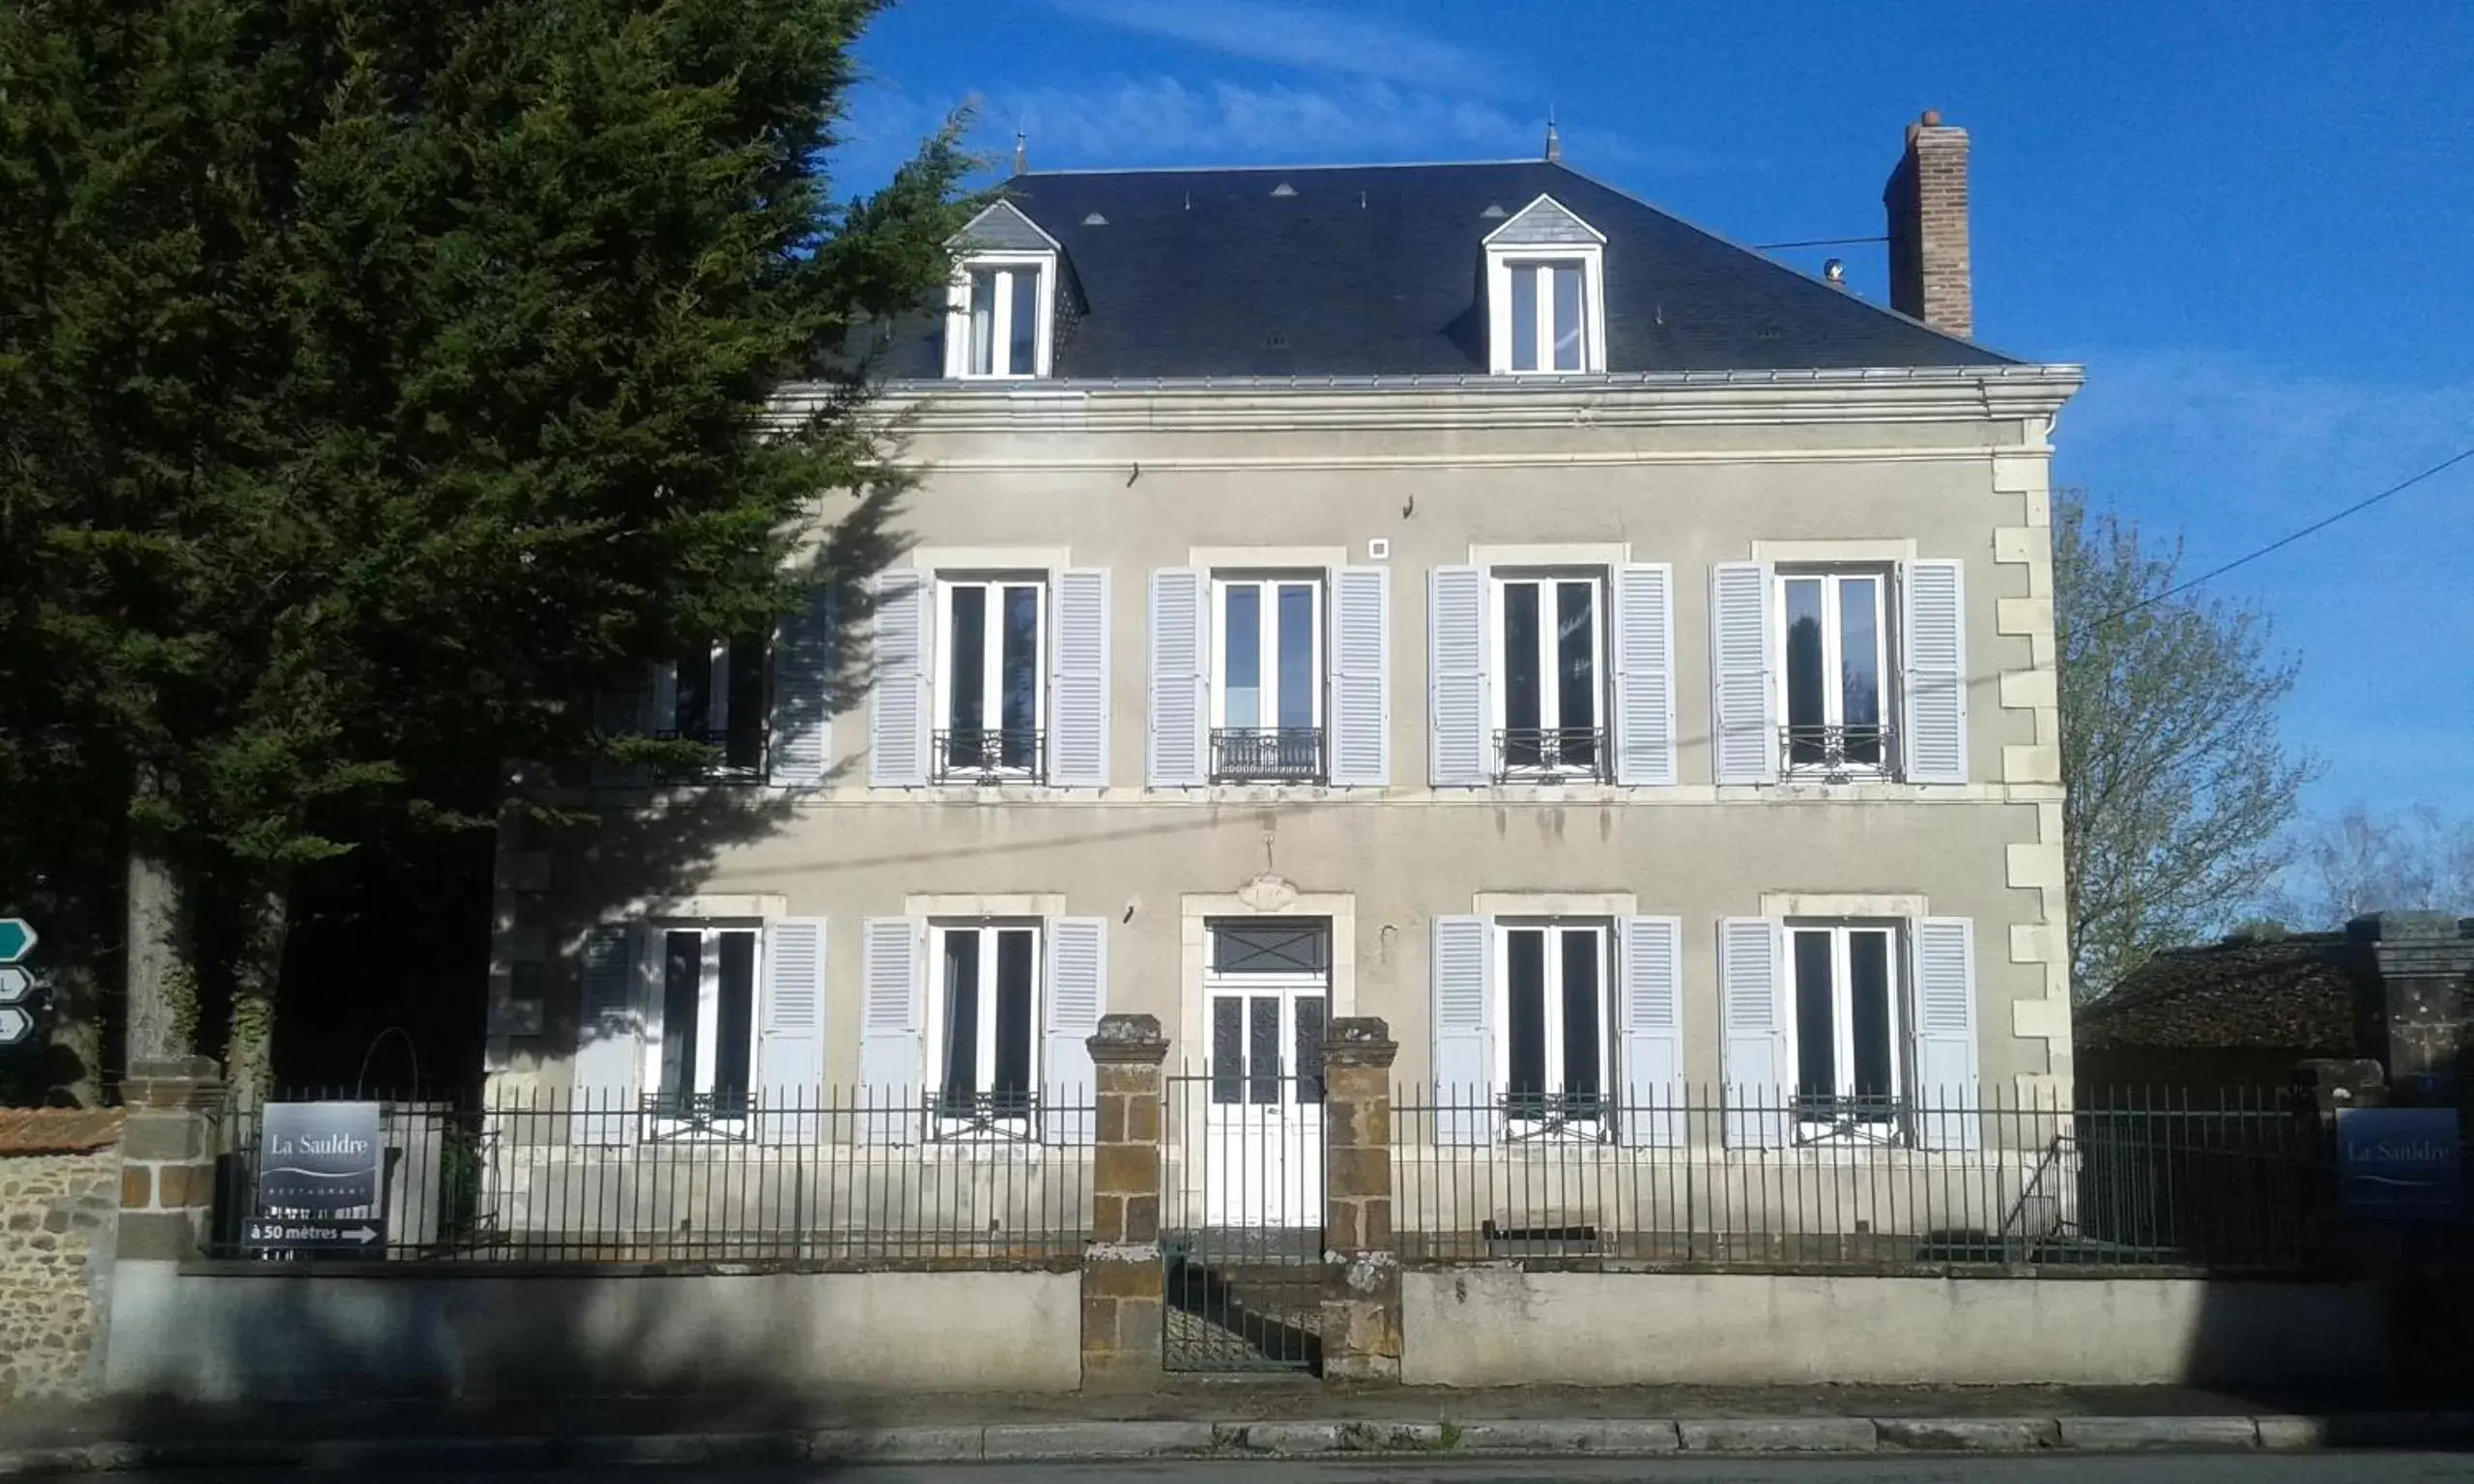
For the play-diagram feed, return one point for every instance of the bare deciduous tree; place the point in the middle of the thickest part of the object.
(2357, 862)
(2181, 787)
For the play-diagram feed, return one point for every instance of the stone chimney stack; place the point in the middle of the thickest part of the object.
(1927, 201)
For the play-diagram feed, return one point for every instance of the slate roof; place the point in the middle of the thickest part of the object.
(1378, 271)
(2295, 993)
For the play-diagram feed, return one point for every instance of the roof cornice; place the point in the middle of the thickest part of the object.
(1651, 399)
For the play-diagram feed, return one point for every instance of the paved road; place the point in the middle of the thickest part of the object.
(2157, 1469)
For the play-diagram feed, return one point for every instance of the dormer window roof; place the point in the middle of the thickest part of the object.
(1546, 293)
(1000, 305)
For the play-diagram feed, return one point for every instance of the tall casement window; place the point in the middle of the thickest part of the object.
(1834, 683)
(1267, 678)
(1549, 313)
(1550, 661)
(1004, 321)
(1547, 294)
(1556, 989)
(702, 1043)
(999, 306)
(1845, 1030)
(715, 694)
(991, 706)
(983, 1035)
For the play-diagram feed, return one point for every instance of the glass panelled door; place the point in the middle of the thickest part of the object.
(1266, 994)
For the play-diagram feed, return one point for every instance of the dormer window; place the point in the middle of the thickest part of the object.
(1546, 293)
(999, 306)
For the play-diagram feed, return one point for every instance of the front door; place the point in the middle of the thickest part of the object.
(1266, 996)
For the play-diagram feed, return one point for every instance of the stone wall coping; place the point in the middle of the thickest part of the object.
(31, 1131)
(1360, 1040)
(1128, 1040)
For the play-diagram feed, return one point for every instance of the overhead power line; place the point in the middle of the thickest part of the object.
(1818, 241)
(2284, 541)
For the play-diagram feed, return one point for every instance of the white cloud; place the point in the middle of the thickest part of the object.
(1301, 36)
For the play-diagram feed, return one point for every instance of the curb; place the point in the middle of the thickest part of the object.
(1125, 1441)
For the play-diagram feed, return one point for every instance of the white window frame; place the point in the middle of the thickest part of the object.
(708, 999)
(1267, 585)
(1591, 259)
(1588, 1127)
(717, 700)
(1833, 701)
(991, 693)
(1550, 699)
(958, 343)
(966, 1130)
(1892, 1128)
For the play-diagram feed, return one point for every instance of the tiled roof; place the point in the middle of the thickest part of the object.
(2295, 993)
(1379, 271)
(58, 1130)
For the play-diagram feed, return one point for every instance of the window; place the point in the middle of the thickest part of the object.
(1553, 1063)
(990, 701)
(1549, 663)
(702, 1045)
(982, 1036)
(1836, 633)
(1548, 313)
(996, 319)
(715, 694)
(1267, 690)
(1267, 987)
(1844, 1029)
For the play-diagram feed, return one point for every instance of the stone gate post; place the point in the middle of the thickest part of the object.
(1123, 1284)
(1362, 1273)
(167, 1157)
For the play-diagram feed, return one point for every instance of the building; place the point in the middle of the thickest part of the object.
(1461, 594)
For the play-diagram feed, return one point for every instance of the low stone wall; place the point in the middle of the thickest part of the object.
(1505, 1326)
(60, 1176)
(218, 1332)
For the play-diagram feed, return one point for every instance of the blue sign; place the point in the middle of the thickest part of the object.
(16, 938)
(2400, 1164)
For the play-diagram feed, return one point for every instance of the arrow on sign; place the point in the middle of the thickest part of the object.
(15, 984)
(16, 1025)
(16, 938)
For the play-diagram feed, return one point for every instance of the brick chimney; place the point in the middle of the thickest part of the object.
(1927, 201)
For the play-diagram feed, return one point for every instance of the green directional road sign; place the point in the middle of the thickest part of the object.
(16, 938)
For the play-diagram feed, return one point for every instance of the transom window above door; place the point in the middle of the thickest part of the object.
(701, 1042)
(991, 706)
(1266, 988)
(1557, 992)
(984, 1034)
(1834, 682)
(1267, 678)
(1549, 664)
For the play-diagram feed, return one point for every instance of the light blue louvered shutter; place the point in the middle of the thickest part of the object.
(897, 709)
(1077, 995)
(1650, 960)
(891, 1111)
(1744, 721)
(1946, 1090)
(789, 1047)
(1645, 675)
(1458, 753)
(802, 716)
(1752, 979)
(1361, 688)
(1463, 994)
(1935, 665)
(610, 1038)
(1078, 715)
(1176, 753)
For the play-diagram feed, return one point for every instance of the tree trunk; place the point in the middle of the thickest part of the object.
(161, 1013)
(249, 1050)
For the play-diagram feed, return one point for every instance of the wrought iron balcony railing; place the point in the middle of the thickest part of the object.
(739, 753)
(1007, 755)
(1835, 755)
(1255, 755)
(999, 1115)
(1535, 1115)
(1551, 753)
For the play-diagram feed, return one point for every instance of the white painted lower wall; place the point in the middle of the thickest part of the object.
(215, 1336)
(1500, 1326)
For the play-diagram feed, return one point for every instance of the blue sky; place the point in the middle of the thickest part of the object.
(2253, 223)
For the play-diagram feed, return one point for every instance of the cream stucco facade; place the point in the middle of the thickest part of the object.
(1688, 470)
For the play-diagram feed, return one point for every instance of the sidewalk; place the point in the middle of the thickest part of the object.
(1233, 1416)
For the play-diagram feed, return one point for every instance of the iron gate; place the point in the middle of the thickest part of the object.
(1242, 1220)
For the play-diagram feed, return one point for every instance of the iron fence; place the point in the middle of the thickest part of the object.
(2232, 1180)
(829, 1177)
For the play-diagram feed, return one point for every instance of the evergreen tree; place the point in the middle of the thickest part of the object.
(379, 382)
